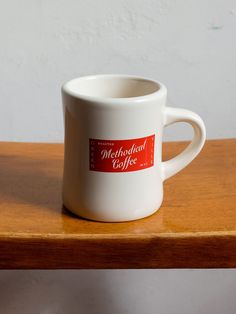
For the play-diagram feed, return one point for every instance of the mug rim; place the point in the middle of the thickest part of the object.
(160, 92)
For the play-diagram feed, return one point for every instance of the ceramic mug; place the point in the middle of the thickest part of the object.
(113, 169)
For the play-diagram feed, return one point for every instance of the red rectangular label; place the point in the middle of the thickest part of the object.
(121, 155)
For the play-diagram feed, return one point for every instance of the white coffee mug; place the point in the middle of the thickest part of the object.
(113, 169)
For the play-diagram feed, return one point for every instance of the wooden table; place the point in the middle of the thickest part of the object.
(195, 227)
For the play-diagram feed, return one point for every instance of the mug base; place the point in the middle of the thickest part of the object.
(93, 218)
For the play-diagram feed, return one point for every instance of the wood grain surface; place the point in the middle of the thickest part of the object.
(195, 227)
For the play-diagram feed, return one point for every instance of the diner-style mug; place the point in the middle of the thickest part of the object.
(113, 169)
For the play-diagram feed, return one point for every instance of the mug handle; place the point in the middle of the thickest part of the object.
(172, 115)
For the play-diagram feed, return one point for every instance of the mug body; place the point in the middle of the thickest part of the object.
(113, 141)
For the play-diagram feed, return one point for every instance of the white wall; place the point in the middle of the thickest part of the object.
(191, 47)
(118, 292)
